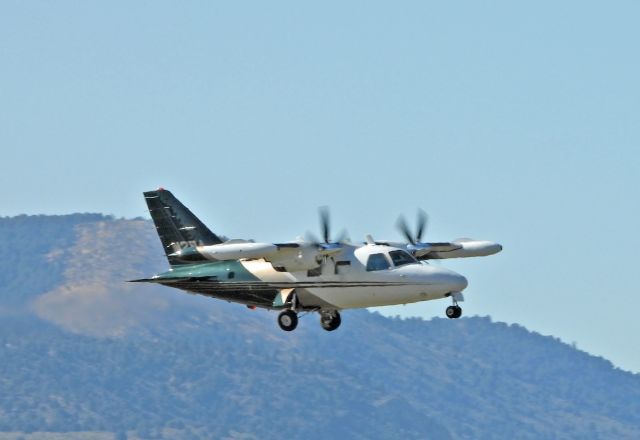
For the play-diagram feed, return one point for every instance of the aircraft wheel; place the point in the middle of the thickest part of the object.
(288, 320)
(330, 322)
(454, 312)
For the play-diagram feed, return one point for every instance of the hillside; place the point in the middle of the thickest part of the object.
(83, 352)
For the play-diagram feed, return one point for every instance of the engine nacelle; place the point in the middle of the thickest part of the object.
(237, 250)
(469, 248)
(187, 255)
(296, 259)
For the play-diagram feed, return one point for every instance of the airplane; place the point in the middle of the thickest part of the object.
(310, 275)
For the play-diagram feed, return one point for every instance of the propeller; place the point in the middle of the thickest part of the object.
(420, 249)
(421, 226)
(325, 229)
(325, 224)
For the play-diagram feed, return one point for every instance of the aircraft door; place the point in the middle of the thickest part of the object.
(342, 267)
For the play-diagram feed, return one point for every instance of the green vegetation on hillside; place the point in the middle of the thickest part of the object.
(200, 368)
(33, 247)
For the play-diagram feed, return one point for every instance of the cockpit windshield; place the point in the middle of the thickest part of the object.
(400, 258)
(377, 262)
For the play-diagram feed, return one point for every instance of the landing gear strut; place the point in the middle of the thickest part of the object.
(288, 320)
(454, 311)
(330, 320)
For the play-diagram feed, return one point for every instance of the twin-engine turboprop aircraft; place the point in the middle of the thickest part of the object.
(306, 276)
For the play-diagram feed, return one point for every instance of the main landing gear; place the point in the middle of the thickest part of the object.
(288, 320)
(329, 320)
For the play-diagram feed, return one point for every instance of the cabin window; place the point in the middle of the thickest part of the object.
(231, 275)
(377, 262)
(400, 258)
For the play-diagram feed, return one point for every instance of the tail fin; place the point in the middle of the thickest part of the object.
(177, 227)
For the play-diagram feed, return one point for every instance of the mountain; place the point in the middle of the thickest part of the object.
(86, 354)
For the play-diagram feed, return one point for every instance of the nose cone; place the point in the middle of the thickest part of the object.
(457, 282)
(442, 280)
(451, 281)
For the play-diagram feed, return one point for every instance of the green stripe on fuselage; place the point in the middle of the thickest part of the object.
(223, 271)
(226, 280)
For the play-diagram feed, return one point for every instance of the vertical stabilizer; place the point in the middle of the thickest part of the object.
(177, 227)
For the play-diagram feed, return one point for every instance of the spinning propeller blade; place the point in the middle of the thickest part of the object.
(421, 226)
(422, 221)
(325, 229)
(324, 224)
(401, 224)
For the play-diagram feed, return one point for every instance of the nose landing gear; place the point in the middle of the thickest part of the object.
(454, 311)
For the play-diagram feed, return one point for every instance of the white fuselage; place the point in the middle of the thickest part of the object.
(344, 282)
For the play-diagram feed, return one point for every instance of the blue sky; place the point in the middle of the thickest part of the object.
(505, 121)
